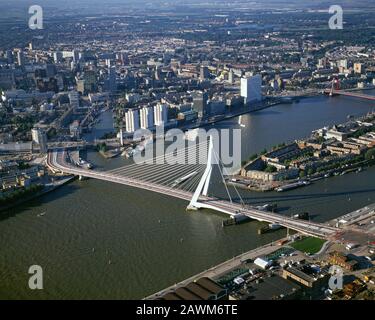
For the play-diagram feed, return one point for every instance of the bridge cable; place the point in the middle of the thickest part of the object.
(166, 156)
(227, 174)
(223, 179)
(146, 169)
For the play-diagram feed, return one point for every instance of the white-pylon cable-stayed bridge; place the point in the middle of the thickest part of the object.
(172, 175)
(213, 161)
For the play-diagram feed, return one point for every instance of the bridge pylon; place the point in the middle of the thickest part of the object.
(335, 86)
(204, 183)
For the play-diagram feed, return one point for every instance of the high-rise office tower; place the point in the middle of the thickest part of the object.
(251, 89)
(231, 76)
(158, 74)
(75, 54)
(57, 56)
(40, 138)
(50, 70)
(9, 54)
(74, 100)
(112, 85)
(90, 80)
(204, 73)
(200, 100)
(20, 58)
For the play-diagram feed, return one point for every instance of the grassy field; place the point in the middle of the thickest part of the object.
(308, 245)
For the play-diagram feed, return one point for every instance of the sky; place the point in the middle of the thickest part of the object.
(18, 8)
(297, 2)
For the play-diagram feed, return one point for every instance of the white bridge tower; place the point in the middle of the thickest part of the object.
(203, 185)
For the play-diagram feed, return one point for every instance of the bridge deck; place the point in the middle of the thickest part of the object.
(350, 94)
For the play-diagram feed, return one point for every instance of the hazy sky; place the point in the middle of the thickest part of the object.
(77, 2)
(18, 8)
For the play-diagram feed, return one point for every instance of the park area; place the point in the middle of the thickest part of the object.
(309, 245)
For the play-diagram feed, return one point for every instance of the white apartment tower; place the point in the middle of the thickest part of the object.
(147, 117)
(160, 114)
(132, 120)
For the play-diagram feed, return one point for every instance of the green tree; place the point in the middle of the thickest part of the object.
(270, 169)
(102, 147)
(370, 154)
(311, 171)
(51, 133)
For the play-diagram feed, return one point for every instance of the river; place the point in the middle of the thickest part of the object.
(99, 240)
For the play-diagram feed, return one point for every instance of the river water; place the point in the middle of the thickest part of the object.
(105, 241)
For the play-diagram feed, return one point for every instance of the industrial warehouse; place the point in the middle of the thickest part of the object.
(202, 289)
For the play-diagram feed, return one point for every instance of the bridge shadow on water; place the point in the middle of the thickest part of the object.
(40, 200)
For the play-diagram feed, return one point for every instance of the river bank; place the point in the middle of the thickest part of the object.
(46, 189)
(328, 151)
